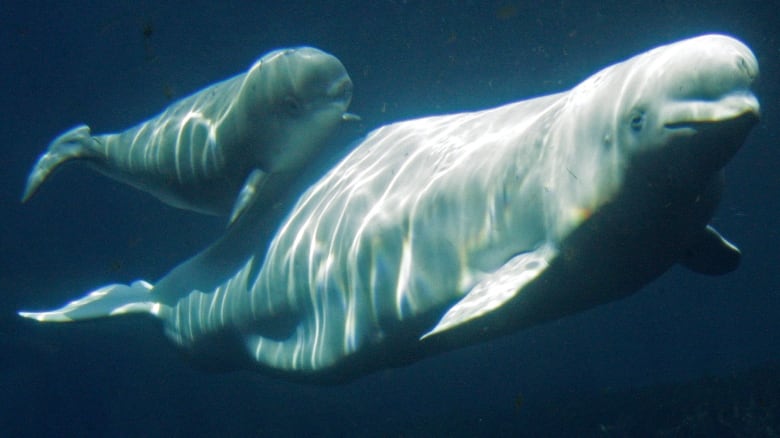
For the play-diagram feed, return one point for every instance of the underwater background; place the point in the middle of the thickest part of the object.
(686, 355)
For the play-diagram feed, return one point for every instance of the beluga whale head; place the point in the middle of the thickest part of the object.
(693, 95)
(672, 117)
(303, 93)
(672, 92)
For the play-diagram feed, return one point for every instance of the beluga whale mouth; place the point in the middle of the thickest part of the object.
(708, 115)
(741, 123)
(727, 134)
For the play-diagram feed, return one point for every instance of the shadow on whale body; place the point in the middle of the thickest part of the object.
(445, 231)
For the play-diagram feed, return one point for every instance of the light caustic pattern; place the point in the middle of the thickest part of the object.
(432, 216)
(423, 210)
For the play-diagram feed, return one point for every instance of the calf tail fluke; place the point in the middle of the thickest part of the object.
(111, 300)
(75, 143)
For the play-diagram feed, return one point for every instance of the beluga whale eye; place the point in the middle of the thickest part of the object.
(292, 106)
(637, 120)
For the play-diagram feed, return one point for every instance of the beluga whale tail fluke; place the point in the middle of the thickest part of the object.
(445, 231)
(76, 143)
(214, 151)
(111, 300)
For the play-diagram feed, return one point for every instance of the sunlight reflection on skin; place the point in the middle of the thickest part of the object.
(198, 153)
(424, 210)
(450, 217)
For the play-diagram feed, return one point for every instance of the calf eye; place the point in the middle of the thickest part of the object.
(292, 106)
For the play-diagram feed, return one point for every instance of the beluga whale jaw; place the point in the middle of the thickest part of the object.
(444, 231)
(213, 152)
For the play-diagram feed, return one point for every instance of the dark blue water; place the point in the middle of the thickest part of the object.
(684, 345)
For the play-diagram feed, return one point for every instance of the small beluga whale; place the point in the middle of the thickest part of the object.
(444, 231)
(212, 152)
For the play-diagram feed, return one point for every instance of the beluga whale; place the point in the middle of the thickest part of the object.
(445, 231)
(212, 152)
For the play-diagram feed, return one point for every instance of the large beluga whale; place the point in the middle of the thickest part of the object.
(444, 231)
(213, 151)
